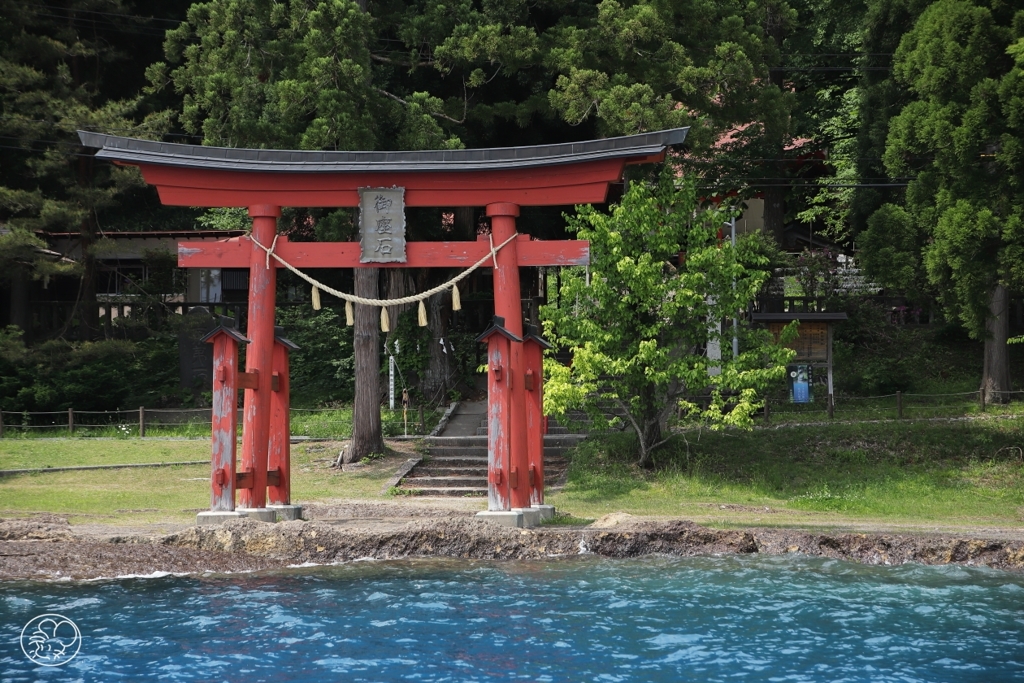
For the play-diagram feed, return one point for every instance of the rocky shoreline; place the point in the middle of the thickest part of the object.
(51, 549)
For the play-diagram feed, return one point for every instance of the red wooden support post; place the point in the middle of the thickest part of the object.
(259, 356)
(279, 486)
(508, 305)
(224, 417)
(533, 349)
(499, 399)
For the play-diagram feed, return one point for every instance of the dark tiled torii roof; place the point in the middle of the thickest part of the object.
(135, 151)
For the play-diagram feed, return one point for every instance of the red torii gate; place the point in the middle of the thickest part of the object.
(500, 179)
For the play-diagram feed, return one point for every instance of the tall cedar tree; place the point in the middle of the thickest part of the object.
(958, 139)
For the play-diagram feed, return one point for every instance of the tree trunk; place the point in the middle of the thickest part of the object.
(436, 381)
(649, 438)
(398, 286)
(465, 223)
(774, 193)
(996, 375)
(366, 431)
(19, 301)
(775, 213)
(88, 306)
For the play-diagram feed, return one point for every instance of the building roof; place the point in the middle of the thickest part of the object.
(135, 151)
(149, 234)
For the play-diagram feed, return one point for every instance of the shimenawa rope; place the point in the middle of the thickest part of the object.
(384, 303)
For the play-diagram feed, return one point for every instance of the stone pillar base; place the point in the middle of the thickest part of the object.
(259, 514)
(287, 513)
(510, 518)
(216, 517)
(546, 511)
(531, 517)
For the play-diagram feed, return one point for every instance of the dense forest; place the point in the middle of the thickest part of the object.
(887, 130)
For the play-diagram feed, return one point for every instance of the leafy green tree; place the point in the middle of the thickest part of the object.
(638, 326)
(959, 141)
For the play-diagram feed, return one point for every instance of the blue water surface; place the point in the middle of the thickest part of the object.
(586, 619)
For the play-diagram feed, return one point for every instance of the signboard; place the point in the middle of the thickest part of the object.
(801, 383)
(382, 224)
(811, 343)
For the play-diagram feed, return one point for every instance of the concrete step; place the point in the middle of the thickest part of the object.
(457, 441)
(456, 451)
(432, 459)
(461, 491)
(481, 440)
(432, 471)
(448, 482)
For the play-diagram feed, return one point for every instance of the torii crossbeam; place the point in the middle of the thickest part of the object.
(500, 179)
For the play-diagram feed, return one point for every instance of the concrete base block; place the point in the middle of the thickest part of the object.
(215, 517)
(531, 517)
(502, 517)
(287, 513)
(259, 514)
(546, 511)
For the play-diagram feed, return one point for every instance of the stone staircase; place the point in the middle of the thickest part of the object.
(457, 465)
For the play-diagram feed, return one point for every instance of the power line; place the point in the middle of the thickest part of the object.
(109, 14)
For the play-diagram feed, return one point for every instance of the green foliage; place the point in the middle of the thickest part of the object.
(56, 78)
(261, 73)
(322, 370)
(57, 375)
(225, 219)
(638, 329)
(891, 251)
(958, 141)
(874, 356)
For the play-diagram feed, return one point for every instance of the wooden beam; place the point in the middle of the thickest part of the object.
(235, 253)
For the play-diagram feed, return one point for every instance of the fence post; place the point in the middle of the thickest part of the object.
(142, 421)
(831, 407)
(71, 420)
(899, 405)
(1, 424)
(767, 412)
(423, 421)
(981, 399)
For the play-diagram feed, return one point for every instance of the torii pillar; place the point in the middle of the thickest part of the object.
(259, 364)
(508, 305)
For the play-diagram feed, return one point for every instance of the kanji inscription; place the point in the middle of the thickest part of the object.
(382, 224)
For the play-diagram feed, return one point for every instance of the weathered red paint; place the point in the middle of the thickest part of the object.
(225, 417)
(279, 457)
(259, 356)
(533, 356)
(508, 305)
(235, 253)
(498, 405)
(558, 185)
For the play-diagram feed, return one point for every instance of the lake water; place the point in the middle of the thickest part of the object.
(583, 619)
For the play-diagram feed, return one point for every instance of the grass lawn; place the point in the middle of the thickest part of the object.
(156, 494)
(966, 473)
(32, 453)
(914, 474)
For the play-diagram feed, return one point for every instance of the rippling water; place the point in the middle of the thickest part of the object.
(587, 619)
